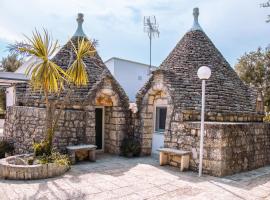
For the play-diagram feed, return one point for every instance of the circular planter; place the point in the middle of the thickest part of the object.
(10, 168)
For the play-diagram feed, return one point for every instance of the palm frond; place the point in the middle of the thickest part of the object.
(45, 75)
(15, 48)
(77, 72)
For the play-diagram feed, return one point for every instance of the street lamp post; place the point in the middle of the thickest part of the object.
(203, 73)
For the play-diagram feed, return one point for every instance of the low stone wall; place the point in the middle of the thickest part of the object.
(24, 125)
(228, 147)
(27, 124)
(9, 170)
(189, 115)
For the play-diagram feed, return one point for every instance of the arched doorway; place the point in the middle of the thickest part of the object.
(155, 116)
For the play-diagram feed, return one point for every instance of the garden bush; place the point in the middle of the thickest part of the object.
(41, 148)
(55, 157)
(130, 147)
(267, 118)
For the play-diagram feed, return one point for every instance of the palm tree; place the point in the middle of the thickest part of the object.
(49, 78)
(10, 63)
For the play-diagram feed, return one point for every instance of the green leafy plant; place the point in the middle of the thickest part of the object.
(56, 158)
(5, 147)
(49, 78)
(130, 147)
(30, 161)
(41, 148)
(267, 118)
(253, 68)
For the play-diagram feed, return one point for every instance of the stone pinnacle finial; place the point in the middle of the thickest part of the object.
(196, 25)
(79, 32)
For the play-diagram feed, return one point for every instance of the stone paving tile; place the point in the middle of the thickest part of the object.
(130, 197)
(103, 195)
(105, 186)
(168, 187)
(150, 192)
(124, 191)
(113, 177)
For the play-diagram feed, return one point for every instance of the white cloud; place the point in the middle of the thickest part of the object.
(8, 35)
(234, 26)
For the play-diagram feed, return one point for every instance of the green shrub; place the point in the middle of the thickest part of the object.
(5, 147)
(60, 159)
(30, 161)
(130, 147)
(55, 157)
(267, 118)
(41, 148)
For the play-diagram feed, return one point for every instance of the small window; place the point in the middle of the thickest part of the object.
(161, 113)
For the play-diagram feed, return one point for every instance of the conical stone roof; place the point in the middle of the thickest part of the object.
(95, 68)
(225, 92)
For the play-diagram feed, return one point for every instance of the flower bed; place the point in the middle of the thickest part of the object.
(15, 167)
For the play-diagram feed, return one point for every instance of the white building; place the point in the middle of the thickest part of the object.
(10, 91)
(130, 74)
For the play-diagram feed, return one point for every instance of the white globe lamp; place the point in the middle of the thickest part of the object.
(203, 73)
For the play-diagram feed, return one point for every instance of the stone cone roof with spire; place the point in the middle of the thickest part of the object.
(225, 92)
(96, 70)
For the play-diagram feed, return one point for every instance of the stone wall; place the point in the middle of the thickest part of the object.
(115, 128)
(228, 147)
(27, 124)
(234, 141)
(189, 115)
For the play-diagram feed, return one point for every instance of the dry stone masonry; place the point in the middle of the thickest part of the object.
(25, 122)
(236, 139)
(11, 168)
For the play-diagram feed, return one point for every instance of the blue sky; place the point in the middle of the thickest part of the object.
(235, 26)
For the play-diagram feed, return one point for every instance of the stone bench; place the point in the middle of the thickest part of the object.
(174, 157)
(88, 148)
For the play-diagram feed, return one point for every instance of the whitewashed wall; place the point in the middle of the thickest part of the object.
(10, 91)
(131, 75)
(10, 96)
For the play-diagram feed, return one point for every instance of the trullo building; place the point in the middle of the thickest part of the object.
(236, 139)
(94, 114)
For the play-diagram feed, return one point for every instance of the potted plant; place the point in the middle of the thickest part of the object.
(130, 147)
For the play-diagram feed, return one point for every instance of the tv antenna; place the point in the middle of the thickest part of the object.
(151, 28)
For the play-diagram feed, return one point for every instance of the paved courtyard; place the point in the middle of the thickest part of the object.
(113, 177)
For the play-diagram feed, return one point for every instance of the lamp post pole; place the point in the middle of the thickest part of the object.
(202, 128)
(203, 73)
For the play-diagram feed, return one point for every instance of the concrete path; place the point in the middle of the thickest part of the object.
(113, 177)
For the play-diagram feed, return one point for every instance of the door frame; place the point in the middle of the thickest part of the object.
(154, 132)
(103, 127)
(154, 118)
